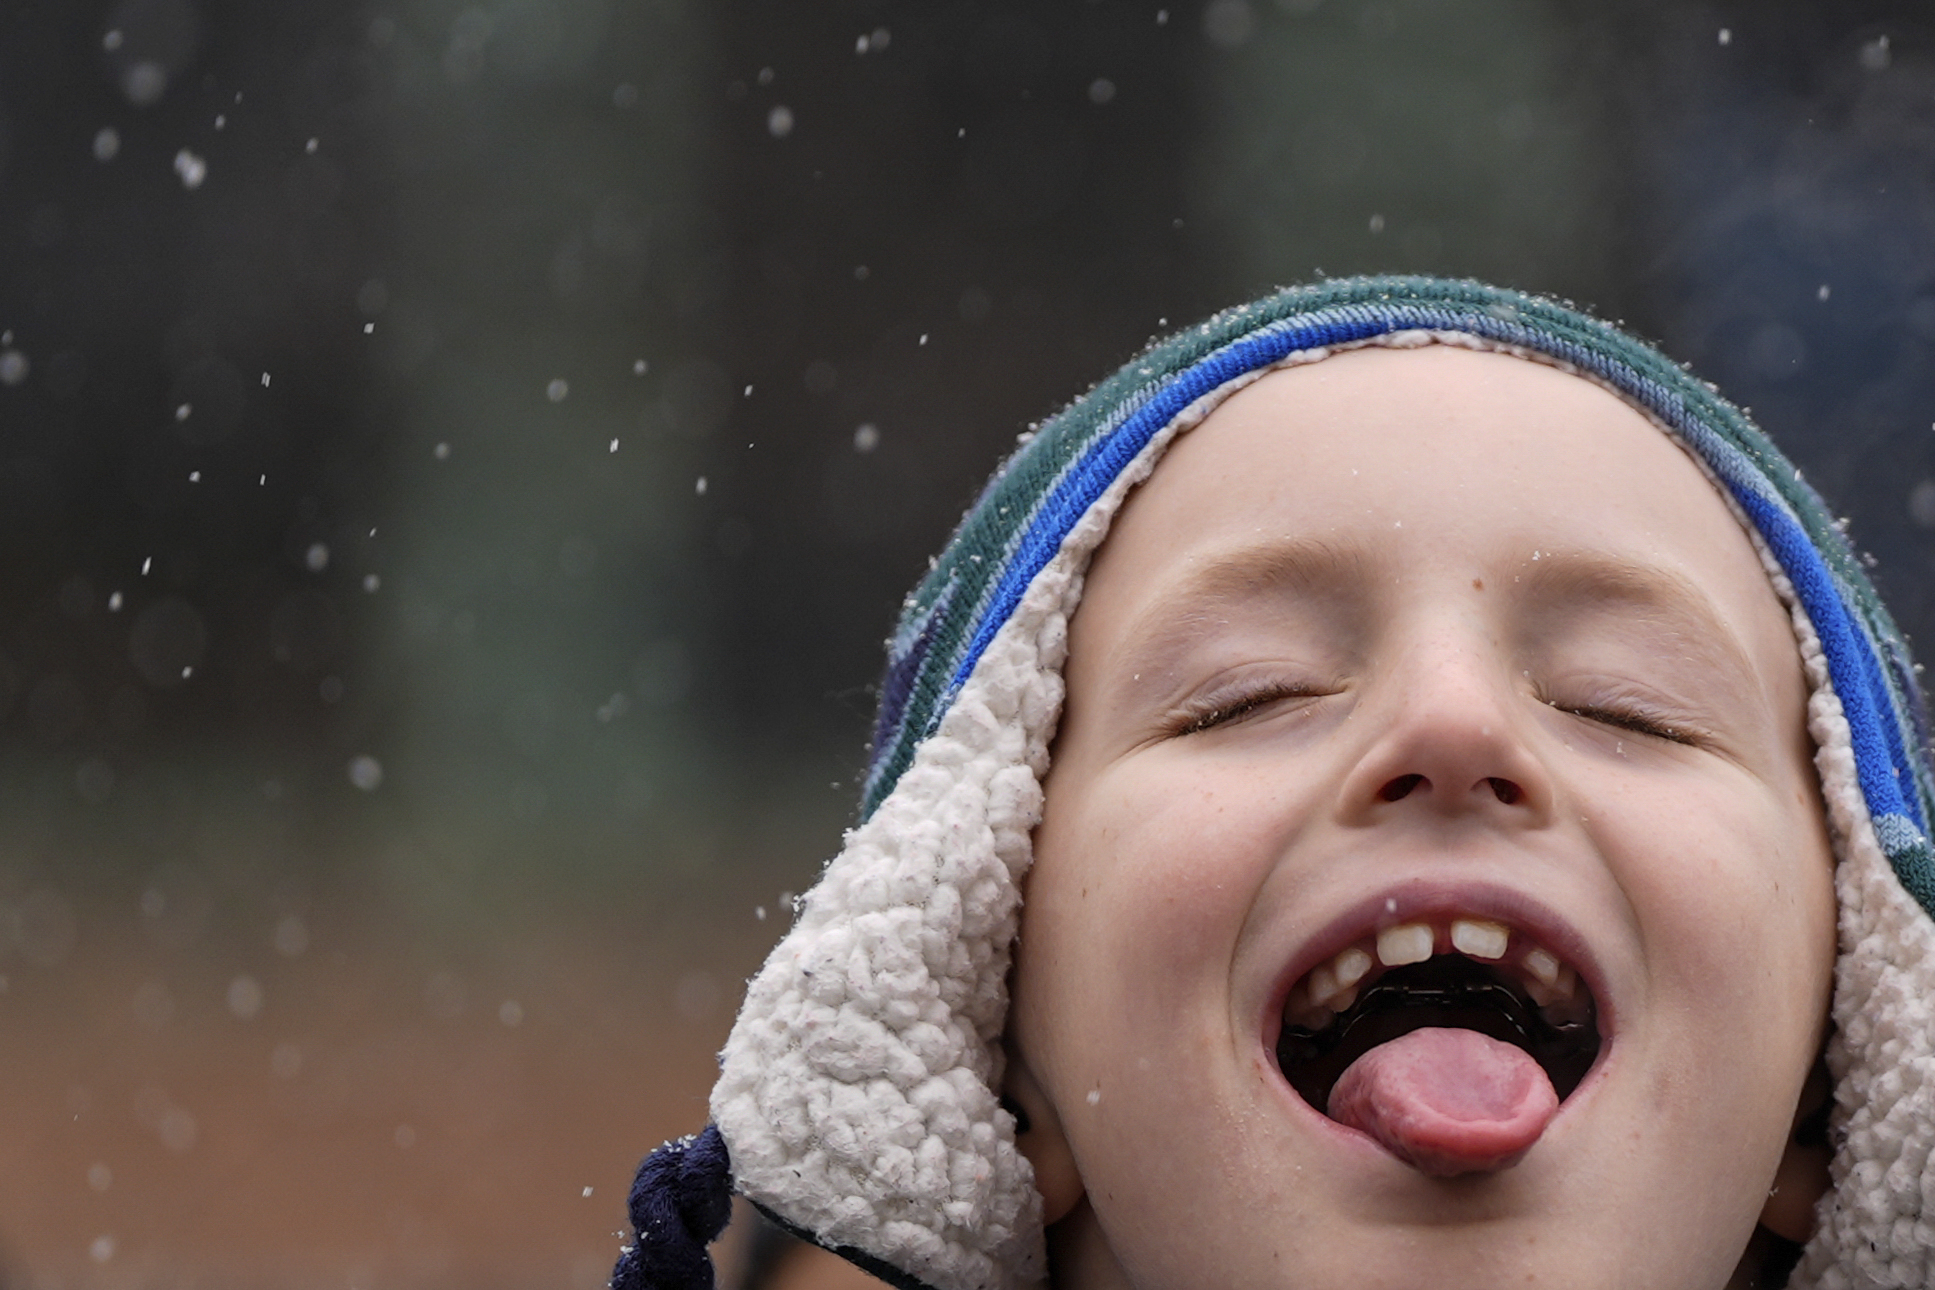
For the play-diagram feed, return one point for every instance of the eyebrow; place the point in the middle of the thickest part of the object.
(1568, 577)
(1300, 567)
(1316, 569)
(1563, 579)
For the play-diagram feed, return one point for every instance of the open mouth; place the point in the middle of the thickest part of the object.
(1456, 974)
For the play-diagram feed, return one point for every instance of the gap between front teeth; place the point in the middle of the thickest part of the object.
(1332, 987)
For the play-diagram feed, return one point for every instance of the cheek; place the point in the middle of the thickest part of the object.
(1735, 900)
(1166, 864)
(1140, 891)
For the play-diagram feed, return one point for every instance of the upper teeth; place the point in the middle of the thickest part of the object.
(1480, 940)
(1405, 943)
(1332, 986)
(1351, 966)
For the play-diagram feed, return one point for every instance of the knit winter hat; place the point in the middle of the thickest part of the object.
(857, 1102)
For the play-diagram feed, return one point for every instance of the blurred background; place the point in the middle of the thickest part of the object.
(458, 461)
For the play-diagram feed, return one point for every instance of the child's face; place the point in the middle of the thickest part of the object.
(1414, 638)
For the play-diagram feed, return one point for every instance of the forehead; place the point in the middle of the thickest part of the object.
(1378, 470)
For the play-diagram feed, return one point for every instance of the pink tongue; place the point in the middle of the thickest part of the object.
(1447, 1101)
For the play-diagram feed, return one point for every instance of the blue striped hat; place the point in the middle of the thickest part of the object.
(857, 1098)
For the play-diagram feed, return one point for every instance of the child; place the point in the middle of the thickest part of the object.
(1438, 875)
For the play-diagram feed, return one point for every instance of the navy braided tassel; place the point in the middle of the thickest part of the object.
(679, 1204)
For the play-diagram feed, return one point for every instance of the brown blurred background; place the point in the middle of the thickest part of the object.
(458, 461)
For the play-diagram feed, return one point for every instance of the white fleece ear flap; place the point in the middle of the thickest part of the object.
(857, 1093)
(1869, 1233)
(1873, 1230)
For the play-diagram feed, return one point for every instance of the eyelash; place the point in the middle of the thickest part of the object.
(1628, 719)
(1196, 720)
(1225, 712)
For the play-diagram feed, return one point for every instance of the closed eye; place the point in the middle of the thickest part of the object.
(1218, 711)
(1625, 719)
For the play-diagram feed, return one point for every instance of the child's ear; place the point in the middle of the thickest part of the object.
(1038, 1134)
(1802, 1178)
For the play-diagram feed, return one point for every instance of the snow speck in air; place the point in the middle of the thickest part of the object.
(265, 380)
(779, 121)
(372, 583)
(369, 329)
(99, 1176)
(1162, 17)
(511, 1014)
(13, 367)
(145, 83)
(558, 390)
(194, 476)
(114, 603)
(441, 452)
(183, 411)
(1377, 223)
(101, 1248)
(873, 42)
(614, 445)
(366, 773)
(245, 997)
(640, 367)
(311, 146)
(191, 168)
(1821, 292)
(866, 437)
(1726, 35)
(107, 143)
(147, 563)
(111, 40)
(765, 76)
(1101, 90)
(586, 1193)
(316, 558)
(699, 486)
(1876, 55)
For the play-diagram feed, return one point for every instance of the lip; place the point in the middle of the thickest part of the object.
(1436, 899)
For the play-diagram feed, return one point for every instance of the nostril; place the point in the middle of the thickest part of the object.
(1400, 787)
(1505, 790)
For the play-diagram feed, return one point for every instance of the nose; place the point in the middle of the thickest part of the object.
(1451, 736)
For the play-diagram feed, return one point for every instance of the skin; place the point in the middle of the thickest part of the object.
(1348, 606)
